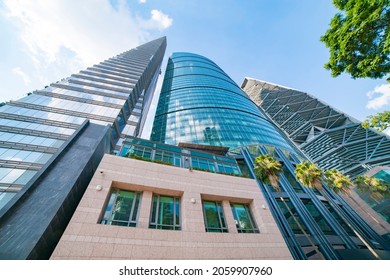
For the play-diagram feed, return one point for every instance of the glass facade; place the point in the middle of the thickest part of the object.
(116, 92)
(379, 203)
(181, 157)
(383, 175)
(200, 104)
(312, 218)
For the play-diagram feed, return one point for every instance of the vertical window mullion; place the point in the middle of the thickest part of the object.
(137, 209)
(114, 203)
(249, 216)
(157, 211)
(219, 216)
(132, 208)
(238, 220)
(174, 213)
(204, 216)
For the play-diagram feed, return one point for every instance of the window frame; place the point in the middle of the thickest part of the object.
(153, 223)
(130, 222)
(220, 213)
(254, 228)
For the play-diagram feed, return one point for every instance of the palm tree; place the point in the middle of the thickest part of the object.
(337, 181)
(267, 169)
(310, 175)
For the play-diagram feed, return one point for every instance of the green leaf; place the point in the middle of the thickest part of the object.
(380, 121)
(359, 39)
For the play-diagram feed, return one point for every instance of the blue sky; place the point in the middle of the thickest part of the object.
(271, 40)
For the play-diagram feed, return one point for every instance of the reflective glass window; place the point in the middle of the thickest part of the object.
(214, 218)
(143, 152)
(4, 172)
(25, 177)
(243, 218)
(294, 220)
(168, 157)
(165, 213)
(31, 140)
(321, 222)
(122, 208)
(5, 197)
(291, 179)
(341, 221)
(24, 156)
(12, 176)
(85, 95)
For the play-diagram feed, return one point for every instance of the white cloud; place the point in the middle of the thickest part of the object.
(77, 34)
(142, 1)
(26, 79)
(158, 20)
(379, 97)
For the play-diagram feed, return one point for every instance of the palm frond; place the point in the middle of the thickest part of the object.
(309, 175)
(267, 169)
(337, 181)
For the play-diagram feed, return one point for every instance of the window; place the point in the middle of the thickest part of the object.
(318, 218)
(167, 157)
(243, 218)
(293, 218)
(165, 213)
(214, 219)
(122, 208)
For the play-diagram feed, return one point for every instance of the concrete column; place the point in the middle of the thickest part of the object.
(144, 211)
(231, 224)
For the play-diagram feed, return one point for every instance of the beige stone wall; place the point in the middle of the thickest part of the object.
(85, 238)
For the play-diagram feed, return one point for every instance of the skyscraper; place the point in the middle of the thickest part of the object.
(53, 139)
(200, 104)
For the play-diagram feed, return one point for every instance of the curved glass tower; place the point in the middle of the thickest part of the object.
(200, 104)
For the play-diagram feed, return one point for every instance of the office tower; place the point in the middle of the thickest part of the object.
(53, 139)
(200, 104)
(325, 135)
(204, 121)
